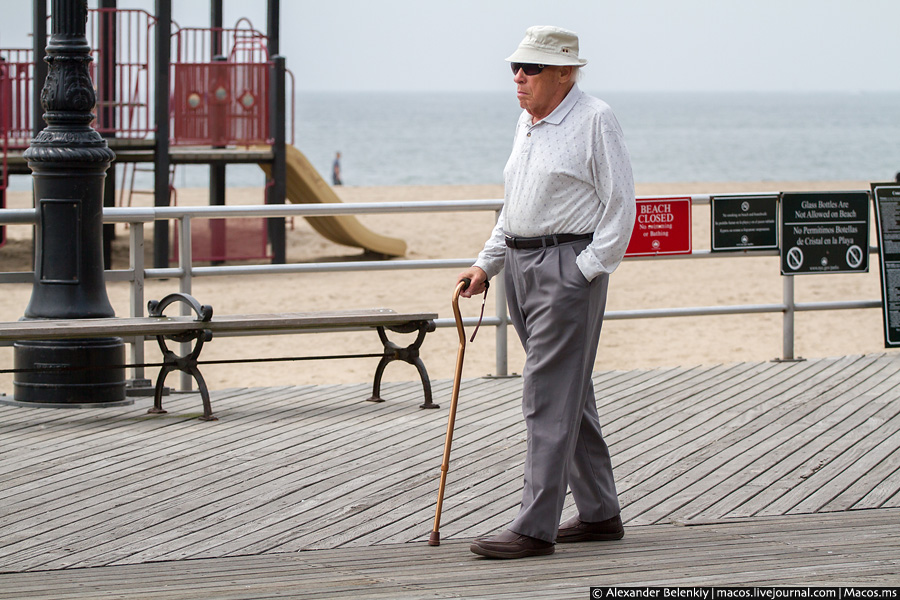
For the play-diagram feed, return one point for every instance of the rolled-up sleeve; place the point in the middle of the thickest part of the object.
(492, 258)
(614, 184)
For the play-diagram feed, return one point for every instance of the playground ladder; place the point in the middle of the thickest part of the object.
(135, 168)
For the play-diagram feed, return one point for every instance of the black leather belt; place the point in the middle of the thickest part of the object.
(545, 241)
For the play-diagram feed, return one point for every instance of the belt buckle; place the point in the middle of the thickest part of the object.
(511, 242)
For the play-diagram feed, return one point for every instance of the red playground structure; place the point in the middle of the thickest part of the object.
(170, 95)
(4, 138)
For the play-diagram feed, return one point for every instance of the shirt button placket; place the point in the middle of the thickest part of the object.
(526, 147)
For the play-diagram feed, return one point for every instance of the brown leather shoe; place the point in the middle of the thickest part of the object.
(576, 530)
(510, 545)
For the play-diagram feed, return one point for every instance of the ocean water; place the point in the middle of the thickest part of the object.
(390, 139)
(465, 138)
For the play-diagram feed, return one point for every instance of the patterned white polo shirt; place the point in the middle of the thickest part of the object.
(568, 173)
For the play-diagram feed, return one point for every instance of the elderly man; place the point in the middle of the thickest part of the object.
(566, 221)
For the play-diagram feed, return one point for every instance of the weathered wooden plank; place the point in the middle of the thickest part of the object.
(665, 393)
(83, 525)
(196, 510)
(803, 434)
(797, 457)
(503, 492)
(74, 440)
(687, 421)
(189, 435)
(402, 475)
(862, 460)
(830, 477)
(760, 551)
(732, 458)
(147, 449)
(722, 438)
(188, 482)
(474, 458)
(886, 493)
(634, 386)
(348, 580)
(38, 329)
(689, 410)
(288, 465)
(326, 474)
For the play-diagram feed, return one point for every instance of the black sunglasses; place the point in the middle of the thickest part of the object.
(530, 69)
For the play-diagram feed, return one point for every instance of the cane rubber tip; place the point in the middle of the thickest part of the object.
(435, 538)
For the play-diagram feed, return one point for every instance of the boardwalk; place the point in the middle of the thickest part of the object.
(752, 472)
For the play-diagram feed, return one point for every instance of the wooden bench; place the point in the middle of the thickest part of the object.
(201, 327)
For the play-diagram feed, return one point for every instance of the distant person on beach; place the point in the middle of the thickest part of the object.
(567, 217)
(336, 170)
(897, 177)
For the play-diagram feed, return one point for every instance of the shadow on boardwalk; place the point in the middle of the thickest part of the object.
(767, 473)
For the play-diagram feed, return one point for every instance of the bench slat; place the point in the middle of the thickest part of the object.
(129, 326)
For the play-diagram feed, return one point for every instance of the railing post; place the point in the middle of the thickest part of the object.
(136, 264)
(185, 259)
(501, 359)
(502, 354)
(787, 352)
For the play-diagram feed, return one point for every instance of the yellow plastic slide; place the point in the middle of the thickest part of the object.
(306, 186)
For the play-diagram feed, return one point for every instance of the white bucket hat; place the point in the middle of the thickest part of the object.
(545, 45)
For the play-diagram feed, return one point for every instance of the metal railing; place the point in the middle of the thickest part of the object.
(136, 273)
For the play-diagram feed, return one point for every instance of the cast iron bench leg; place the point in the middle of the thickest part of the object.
(410, 355)
(204, 394)
(188, 362)
(158, 393)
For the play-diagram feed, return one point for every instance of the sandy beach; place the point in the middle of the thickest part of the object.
(625, 344)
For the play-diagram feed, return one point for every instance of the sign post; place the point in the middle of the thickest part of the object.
(662, 226)
(887, 219)
(824, 232)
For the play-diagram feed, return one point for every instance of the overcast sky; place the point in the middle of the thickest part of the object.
(631, 45)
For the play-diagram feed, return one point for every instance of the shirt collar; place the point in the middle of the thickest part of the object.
(559, 113)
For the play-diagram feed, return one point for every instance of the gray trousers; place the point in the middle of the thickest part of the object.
(558, 315)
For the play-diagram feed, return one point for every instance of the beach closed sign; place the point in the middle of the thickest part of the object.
(662, 226)
(824, 232)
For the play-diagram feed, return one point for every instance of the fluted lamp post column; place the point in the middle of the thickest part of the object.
(69, 160)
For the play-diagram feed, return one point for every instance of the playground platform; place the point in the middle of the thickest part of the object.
(142, 151)
(770, 473)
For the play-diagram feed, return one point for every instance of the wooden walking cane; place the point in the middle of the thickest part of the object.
(435, 538)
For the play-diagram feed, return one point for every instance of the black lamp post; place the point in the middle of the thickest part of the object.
(69, 160)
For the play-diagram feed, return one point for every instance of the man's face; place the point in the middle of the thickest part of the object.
(540, 94)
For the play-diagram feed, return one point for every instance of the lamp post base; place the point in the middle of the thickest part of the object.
(71, 373)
